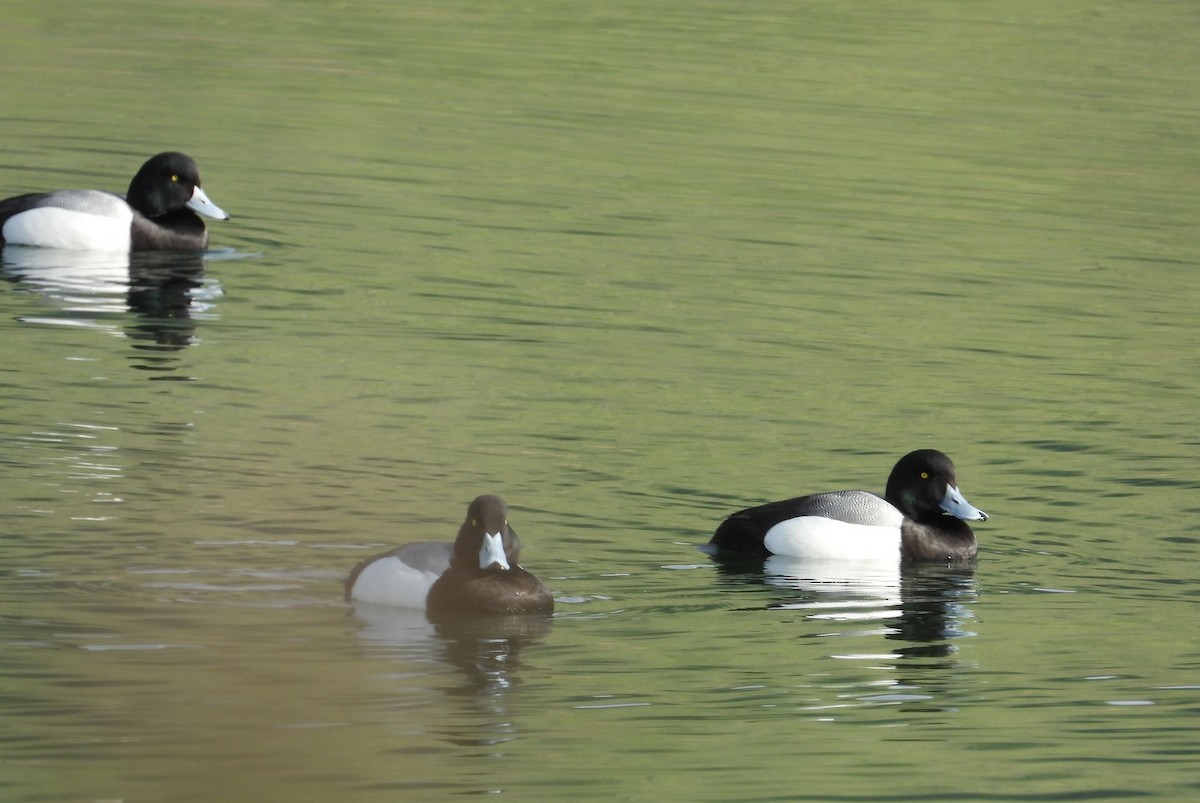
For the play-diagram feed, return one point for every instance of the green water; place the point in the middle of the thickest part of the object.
(632, 266)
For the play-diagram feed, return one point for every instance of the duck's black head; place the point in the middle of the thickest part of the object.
(923, 486)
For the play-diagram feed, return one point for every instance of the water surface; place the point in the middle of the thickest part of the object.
(632, 267)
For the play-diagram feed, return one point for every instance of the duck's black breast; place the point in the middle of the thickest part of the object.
(176, 231)
(946, 540)
(492, 592)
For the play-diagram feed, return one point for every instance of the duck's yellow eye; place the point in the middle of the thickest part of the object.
(924, 475)
(474, 522)
(174, 178)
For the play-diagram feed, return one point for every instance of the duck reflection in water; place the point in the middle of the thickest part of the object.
(485, 652)
(167, 292)
(487, 649)
(925, 607)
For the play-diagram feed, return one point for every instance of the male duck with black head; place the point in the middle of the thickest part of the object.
(921, 518)
(477, 574)
(159, 213)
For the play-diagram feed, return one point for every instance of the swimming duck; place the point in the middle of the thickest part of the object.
(159, 213)
(477, 574)
(921, 517)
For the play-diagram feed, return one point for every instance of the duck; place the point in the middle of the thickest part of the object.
(921, 518)
(160, 212)
(478, 573)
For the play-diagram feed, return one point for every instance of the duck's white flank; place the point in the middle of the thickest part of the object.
(54, 227)
(823, 538)
(391, 581)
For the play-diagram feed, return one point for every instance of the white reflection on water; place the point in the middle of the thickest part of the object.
(79, 280)
(914, 613)
(485, 649)
(167, 292)
(384, 626)
(840, 590)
